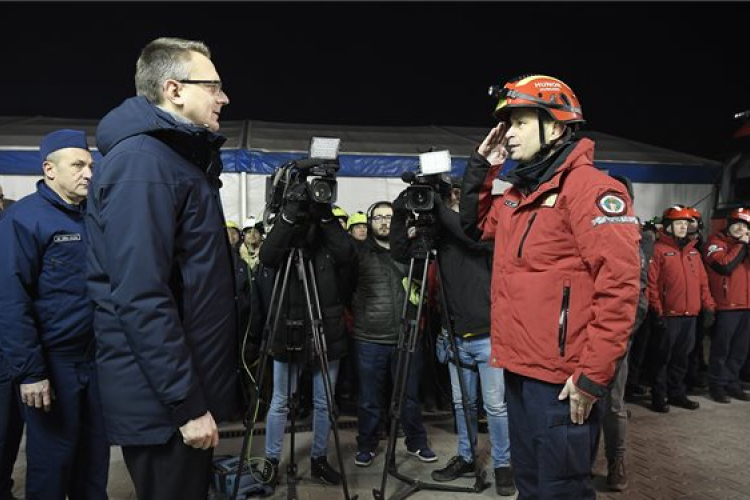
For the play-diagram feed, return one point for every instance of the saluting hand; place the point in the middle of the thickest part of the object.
(580, 402)
(201, 432)
(38, 394)
(493, 146)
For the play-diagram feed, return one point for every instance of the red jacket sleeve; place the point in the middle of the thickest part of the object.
(654, 297)
(609, 246)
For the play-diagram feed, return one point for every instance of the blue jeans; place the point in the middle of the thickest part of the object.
(279, 408)
(375, 361)
(477, 352)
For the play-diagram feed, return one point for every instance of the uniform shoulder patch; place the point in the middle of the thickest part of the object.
(611, 203)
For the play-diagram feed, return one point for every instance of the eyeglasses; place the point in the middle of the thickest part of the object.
(213, 86)
(382, 218)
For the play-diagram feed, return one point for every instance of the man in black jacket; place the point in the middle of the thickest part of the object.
(160, 273)
(313, 228)
(466, 268)
(379, 295)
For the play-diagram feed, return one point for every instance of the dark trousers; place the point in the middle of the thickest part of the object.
(67, 450)
(676, 343)
(729, 348)
(551, 456)
(697, 357)
(637, 356)
(375, 362)
(170, 471)
(11, 429)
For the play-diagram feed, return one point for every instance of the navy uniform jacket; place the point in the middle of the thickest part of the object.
(160, 273)
(45, 309)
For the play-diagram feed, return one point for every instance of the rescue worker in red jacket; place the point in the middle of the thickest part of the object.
(728, 262)
(565, 280)
(677, 291)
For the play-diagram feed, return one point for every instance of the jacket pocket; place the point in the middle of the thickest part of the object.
(562, 329)
(526, 234)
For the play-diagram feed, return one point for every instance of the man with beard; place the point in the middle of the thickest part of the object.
(379, 296)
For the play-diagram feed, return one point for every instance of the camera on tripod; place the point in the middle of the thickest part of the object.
(317, 172)
(432, 180)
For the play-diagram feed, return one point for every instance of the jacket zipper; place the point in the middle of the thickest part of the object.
(525, 234)
(725, 285)
(562, 330)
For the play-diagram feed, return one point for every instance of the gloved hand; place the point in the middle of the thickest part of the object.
(295, 196)
(399, 204)
(321, 212)
(708, 318)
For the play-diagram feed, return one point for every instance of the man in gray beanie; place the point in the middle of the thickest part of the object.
(47, 326)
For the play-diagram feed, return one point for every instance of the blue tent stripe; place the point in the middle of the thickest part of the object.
(264, 163)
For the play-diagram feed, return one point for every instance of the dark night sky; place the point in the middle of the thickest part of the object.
(670, 74)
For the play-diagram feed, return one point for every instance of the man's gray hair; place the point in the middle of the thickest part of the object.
(163, 59)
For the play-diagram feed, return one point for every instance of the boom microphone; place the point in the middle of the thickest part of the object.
(408, 177)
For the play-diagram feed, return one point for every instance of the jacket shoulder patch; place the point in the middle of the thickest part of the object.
(611, 203)
(66, 238)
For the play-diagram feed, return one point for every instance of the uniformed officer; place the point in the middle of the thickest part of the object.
(565, 280)
(46, 324)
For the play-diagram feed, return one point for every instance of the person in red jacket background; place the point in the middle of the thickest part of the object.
(677, 291)
(726, 255)
(565, 280)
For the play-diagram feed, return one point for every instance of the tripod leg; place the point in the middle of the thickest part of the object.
(321, 351)
(406, 345)
(269, 335)
(468, 419)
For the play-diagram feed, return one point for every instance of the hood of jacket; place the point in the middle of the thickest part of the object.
(136, 116)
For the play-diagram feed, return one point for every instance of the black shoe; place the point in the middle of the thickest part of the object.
(504, 485)
(682, 401)
(457, 467)
(270, 473)
(321, 470)
(738, 393)
(719, 394)
(659, 405)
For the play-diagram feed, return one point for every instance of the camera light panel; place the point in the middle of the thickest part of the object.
(325, 148)
(435, 162)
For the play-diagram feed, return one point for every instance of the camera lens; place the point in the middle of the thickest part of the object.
(321, 191)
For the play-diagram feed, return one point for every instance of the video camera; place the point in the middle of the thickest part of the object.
(318, 173)
(433, 179)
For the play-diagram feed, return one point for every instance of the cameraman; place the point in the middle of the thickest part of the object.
(466, 267)
(313, 227)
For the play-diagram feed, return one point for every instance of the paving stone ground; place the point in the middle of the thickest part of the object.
(687, 455)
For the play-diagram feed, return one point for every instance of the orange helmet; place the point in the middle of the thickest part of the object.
(541, 92)
(678, 212)
(695, 213)
(739, 215)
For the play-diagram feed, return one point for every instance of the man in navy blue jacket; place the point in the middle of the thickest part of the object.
(160, 273)
(47, 326)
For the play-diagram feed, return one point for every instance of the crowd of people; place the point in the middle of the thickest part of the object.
(133, 313)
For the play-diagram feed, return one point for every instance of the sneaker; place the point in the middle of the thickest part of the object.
(617, 479)
(738, 393)
(321, 470)
(364, 458)
(682, 401)
(424, 454)
(457, 467)
(719, 394)
(270, 473)
(504, 485)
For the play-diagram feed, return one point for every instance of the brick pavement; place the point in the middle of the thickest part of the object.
(700, 455)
